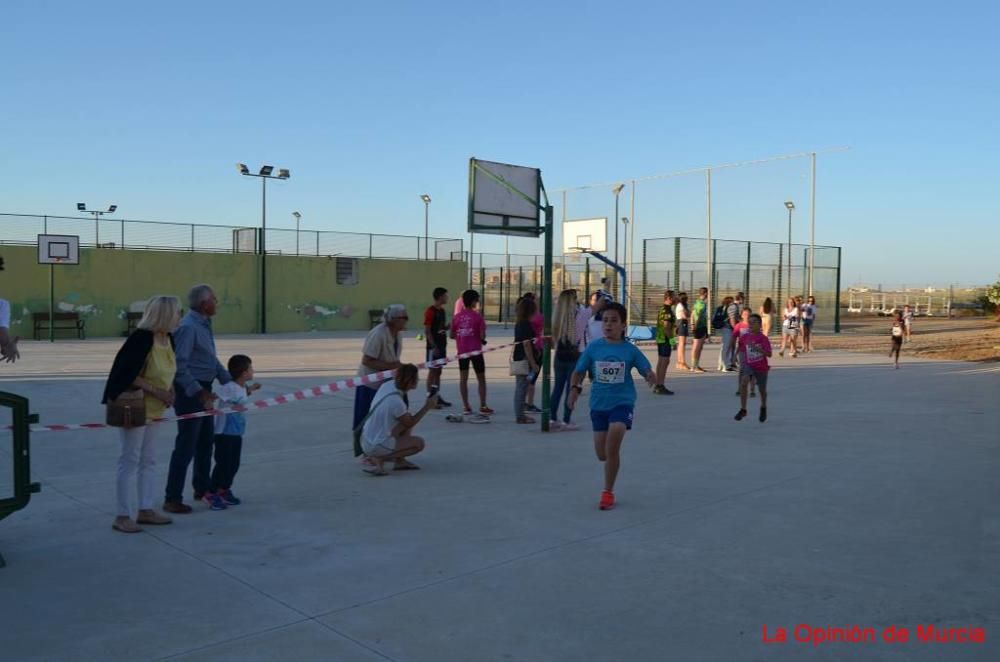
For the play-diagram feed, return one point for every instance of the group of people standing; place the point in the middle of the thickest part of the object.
(172, 362)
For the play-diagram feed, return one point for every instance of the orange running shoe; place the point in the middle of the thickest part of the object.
(607, 500)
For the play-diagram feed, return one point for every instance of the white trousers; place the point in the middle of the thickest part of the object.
(138, 456)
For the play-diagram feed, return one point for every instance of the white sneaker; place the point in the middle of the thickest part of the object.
(478, 418)
(570, 427)
(555, 426)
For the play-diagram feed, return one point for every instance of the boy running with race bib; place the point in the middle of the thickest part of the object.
(612, 398)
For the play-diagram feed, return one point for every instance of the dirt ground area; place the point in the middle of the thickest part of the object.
(960, 339)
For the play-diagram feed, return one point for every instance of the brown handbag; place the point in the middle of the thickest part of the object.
(128, 410)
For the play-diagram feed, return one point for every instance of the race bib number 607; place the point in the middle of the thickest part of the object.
(610, 372)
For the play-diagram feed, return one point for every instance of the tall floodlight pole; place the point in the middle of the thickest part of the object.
(624, 294)
(709, 263)
(263, 175)
(298, 217)
(80, 206)
(790, 206)
(617, 190)
(427, 214)
(812, 224)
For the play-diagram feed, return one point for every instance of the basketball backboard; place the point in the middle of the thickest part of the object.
(588, 233)
(504, 199)
(58, 249)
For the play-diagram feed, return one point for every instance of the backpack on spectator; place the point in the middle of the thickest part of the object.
(719, 320)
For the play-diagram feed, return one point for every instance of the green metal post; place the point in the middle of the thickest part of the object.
(547, 315)
(836, 307)
(52, 302)
(20, 455)
(780, 303)
(642, 288)
(586, 278)
(677, 264)
(746, 276)
(500, 308)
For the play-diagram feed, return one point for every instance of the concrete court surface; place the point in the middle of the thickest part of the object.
(870, 497)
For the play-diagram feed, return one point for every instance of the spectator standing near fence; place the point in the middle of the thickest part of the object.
(436, 333)
(682, 313)
(699, 328)
(567, 352)
(733, 310)
(382, 349)
(8, 343)
(808, 319)
(666, 338)
(789, 327)
(197, 367)
(720, 322)
(145, 361)
(767, 316)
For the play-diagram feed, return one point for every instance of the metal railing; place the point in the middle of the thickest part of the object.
(23, 229)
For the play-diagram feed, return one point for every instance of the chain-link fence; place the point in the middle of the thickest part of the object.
(163, 236)
(760, 270)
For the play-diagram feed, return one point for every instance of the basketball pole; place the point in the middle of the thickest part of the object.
(547, 315)
(52, 302)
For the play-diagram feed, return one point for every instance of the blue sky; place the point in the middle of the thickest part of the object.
(371, 104)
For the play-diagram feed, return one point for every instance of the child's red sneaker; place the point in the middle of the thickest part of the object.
(607, 500)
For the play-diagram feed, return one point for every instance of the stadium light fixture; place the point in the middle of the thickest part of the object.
(789, 205)
(112, 208)
(265, 174)
(427, 214)
(81, 206)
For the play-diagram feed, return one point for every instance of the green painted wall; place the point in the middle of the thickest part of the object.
(303, 294)
(302, 291)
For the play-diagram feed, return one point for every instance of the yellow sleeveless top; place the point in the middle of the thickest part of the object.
(160, 368)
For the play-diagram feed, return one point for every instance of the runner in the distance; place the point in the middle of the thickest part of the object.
(908, 322)
(612, 398)
(898, 331)
(436, 333)
(754, 349)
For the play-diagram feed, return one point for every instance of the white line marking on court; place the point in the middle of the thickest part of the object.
(973, 371)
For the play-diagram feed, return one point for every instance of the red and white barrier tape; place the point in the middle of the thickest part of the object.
(306, 394)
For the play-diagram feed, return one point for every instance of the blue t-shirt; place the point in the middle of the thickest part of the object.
(612, 365)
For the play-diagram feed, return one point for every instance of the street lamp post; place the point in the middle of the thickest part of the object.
(617, 190)
(427, 211)
(625, 260)
(264, 175)
(790, 206)
(80, 206)
(298, 217)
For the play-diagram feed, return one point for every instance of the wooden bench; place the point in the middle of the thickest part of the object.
(132, 320)
(60, 322)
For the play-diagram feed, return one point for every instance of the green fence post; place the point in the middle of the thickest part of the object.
(642, 288)
(836, 309)
(586, 278)
(780, 304)
(677, 264)
(746, 277)
(500, 308)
